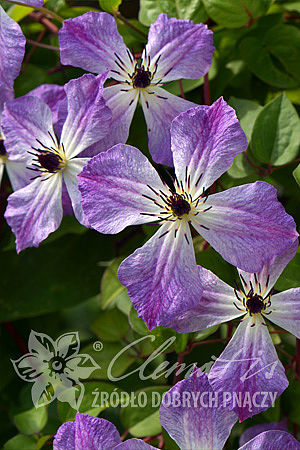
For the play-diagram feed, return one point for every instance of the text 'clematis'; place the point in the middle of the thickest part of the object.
(245, 224)
(37, 209)
(175, 49)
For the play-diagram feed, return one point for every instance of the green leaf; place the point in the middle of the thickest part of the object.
(276, 133)
(162, 334)
(291, 401)
(246, 111)
(182, 9)
(235, 13)
(136, 323)
(140, 417)
(20, 442)
(112, 325)
(54, 276)
(296, 174)
(273, 56)
(203, 334)
(111, 350)
(113, 293)
(290, 276)
(32, 421)
(110, 6)
(18, 12)
(42, 441)
(93, 401)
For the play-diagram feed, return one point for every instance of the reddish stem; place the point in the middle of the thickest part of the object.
(39, 17)
(17, 338)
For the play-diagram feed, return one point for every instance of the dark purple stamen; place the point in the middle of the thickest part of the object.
(2, 148)
(141, 78)
(254, 303)
(179, 205)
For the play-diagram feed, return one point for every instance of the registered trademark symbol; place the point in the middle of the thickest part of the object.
(97, 346)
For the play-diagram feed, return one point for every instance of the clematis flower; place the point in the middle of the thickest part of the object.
(91, 433)
(55, 368)
(37, 209)
(35, 3)
(196, 418)
(17, 165)
(249, 362)
(245, 224)
(176, 49)
(12, 48)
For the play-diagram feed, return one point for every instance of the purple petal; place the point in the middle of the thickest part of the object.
(19, 175)
(134, 444)
(205, 140)
(285, 308)
(257, 429)
(189, 419)
(12, 48)
(270, 272)
(94, 434)
(35, 3)
(89, 118)
(22, 129)
(35, 211)
(91, 41)
(122, 105)
(247, 225)
(161, 277)
(65, 437)
(248, 368)
(73, 168)
(55, 97)
(215, 306)
(272, 440)
(184, 49)
(114, 189)
(160, 108)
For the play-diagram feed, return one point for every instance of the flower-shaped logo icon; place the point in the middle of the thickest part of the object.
(54, 368)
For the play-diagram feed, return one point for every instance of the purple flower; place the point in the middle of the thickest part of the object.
(16, 166)
(196, 418)
(28, 123)
(12, 48)
(246, 224)
(35, 3)
(175, 49)
(249, 363)
(91, 433)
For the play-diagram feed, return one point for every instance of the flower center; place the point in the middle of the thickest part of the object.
(254, 303)
(141, 78)
(48, 160)
(2, 148)
(57, 364)
(178, 205)
(51, 162)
